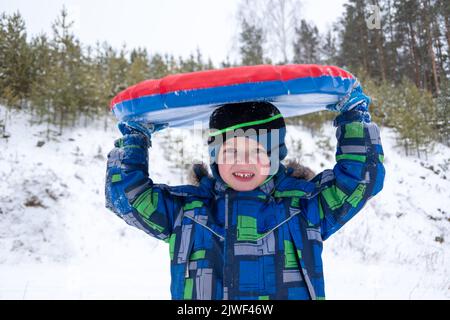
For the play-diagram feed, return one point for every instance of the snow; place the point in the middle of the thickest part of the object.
(58, 241)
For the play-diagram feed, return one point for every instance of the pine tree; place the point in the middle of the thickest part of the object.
(42, 57)
(442, 121)
(392, 43)
(354, 46)
(306, 44)
(139, 68)
(15, 60)
(117, 69)
(428, 15)
(105, 86)
(413, 118)
(199, 60)
(209, 65)
(406, 17)
(94, 85)
(251, 44)
(158, 67)
(188, 65)
(329, 49)
(438, 34)
(64, 92)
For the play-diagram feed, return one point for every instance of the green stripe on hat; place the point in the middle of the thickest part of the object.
(245, 124)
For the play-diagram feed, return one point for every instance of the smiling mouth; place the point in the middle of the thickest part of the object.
(243, 175)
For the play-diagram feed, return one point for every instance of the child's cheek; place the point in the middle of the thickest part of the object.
(263, 165)
(264, 170)
(224, 170)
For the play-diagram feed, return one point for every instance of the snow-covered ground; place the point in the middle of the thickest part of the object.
(57, 240)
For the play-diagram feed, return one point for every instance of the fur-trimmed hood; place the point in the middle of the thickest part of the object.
(293, 167)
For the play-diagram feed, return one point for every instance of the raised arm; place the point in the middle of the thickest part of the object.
(358, 174)
(131, 194)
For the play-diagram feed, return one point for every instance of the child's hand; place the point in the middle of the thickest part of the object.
(132, 127)
(356, 100)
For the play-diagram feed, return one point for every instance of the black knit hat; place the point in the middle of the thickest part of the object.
(260, 117)
(256, 115)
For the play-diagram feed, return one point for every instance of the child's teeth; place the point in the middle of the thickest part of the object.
(243, 175)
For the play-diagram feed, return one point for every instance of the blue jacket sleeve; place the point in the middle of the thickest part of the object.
(357, 176)
(131, 194)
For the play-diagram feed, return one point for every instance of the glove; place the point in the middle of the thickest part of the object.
(355, 100)
(140, 128)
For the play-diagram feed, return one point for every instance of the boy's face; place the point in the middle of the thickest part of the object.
(243, 163)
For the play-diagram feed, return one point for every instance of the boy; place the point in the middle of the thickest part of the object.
(253, 230)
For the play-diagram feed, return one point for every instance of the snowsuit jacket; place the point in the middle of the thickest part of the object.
(260, 244)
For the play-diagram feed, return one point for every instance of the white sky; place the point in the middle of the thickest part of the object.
(173, 26)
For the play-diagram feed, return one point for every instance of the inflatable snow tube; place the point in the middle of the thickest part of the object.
(181, 99)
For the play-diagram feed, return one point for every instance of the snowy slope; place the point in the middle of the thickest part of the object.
(58, 241)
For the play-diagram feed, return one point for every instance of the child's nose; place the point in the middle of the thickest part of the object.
(242, 157)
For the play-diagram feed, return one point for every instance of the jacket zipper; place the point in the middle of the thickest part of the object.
(206, 227)
(226, 212)
(225, 250)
